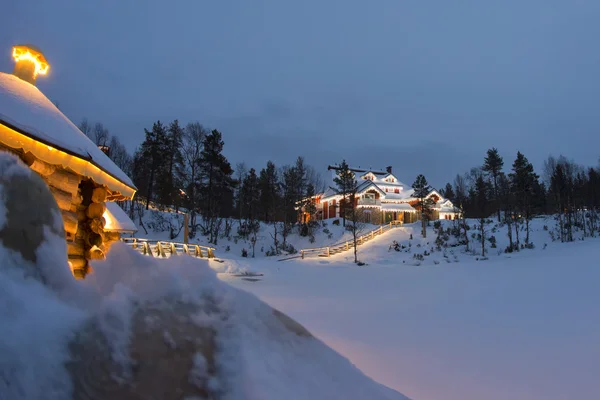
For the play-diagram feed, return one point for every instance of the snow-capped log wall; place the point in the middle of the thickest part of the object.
(82, 206)
(80, 176)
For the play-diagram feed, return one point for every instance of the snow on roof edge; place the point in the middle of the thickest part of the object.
(27, 111)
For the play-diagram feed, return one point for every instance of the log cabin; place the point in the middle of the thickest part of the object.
(80, 176)
(382, 198)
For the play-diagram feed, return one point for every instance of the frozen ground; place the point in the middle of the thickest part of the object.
(518, 327)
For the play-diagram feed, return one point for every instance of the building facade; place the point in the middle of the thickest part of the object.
(382, 199)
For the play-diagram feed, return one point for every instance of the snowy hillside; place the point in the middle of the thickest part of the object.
(161, 225)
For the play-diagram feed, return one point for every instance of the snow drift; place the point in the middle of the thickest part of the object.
(141, 328)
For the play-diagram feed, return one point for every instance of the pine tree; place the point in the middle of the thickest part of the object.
(347, 187)
(270, 199)
(345, 182)
(492, 166)
(523, 181)
(251, 196)
(448, 192)
(421, 190)
(461, 198)
(481, 201)
(148, 160)
(269, 192)
(216, 197)
(506, 197)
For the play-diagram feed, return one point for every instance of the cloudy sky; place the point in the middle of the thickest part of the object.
(425, 86)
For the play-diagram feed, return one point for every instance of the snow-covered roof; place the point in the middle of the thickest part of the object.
(403, 195)
(30, 118)
(117, 220)
(397, 207)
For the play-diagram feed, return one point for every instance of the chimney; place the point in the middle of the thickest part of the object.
(388, 169)
(29, 63)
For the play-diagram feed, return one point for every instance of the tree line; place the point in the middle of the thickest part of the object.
(183, 168)
(567, 191)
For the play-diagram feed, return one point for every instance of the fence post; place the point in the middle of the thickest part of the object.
(161, 251)
(347, 246)
(328, 252)
(173, 249)
(198, 251)
(380, 230)
(372, 234)
(210, 253)
(302, 254)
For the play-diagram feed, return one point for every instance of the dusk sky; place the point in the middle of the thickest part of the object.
(425, 86)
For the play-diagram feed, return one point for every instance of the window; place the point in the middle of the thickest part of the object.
(397, 191)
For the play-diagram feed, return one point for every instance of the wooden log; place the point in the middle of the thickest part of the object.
(76, 248)
(63, 199)
(70, 221)
(95, 210)
(64, 180)
(95, 254)
(97, 225)
(39, 166)
(81, 214)
(77, 263)
(93, 239)
(99, 195)
(77, 199)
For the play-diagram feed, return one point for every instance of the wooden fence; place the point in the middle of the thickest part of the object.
(348, 244)
(164, 249)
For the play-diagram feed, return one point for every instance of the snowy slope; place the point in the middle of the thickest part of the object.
(523, 326)
(76, 341)
(159, 224)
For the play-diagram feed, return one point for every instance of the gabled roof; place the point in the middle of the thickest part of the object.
(30, 121)
(369, 185)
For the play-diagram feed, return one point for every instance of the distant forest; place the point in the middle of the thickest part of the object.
(183, 168)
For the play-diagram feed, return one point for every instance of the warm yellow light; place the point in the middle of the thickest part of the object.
(23, 53)
(110, 223)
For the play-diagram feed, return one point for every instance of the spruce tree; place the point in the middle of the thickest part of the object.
(421, 190)
(345, 182)
(481, 202)
(270, 199)
(251, 196)
(523, 181)
(148, 161)
(448, 192)
(216, 196)
(492, 166)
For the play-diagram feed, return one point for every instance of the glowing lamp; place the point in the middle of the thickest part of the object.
(29, 63)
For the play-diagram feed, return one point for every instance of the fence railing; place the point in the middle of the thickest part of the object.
(164, 249)
(340, 247)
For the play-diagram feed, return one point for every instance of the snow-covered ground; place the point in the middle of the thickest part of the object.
(158, 225)
(513, 327)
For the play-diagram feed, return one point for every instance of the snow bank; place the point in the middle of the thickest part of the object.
(140, 327)
(247, 350)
